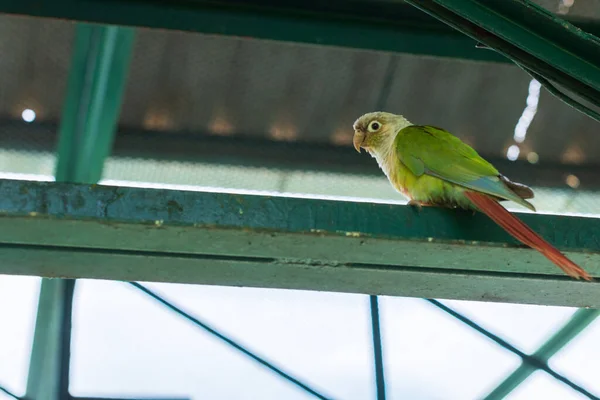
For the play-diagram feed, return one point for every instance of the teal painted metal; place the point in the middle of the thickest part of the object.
(8, 393)
(56, 229)
(46, 376)
(527, 359)
(207, 328)
(564, 97)
(580, 320)
(530, 36)
(381, 25)
(538, 32)
(386, 26)
(96, 84)
(95, 89)
(377, 348)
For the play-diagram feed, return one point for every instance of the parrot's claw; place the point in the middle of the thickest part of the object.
(415, 204)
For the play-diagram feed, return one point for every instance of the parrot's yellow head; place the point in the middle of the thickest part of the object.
(376, 131)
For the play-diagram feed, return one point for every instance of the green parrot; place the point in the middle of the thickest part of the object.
(432, 167)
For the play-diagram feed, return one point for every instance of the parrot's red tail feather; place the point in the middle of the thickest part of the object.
(523, 233)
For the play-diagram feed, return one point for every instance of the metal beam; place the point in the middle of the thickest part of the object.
(376, 25)
(578, 322)
(99, 67)
(48, 368)
(96, 84)
(530, 36)
(130, 234)
(377, 348)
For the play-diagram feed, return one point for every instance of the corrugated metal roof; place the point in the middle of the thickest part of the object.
(223, 85)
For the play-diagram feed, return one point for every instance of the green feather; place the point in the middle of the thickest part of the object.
(436, 152)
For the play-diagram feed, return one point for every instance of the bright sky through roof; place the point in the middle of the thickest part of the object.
(126, 345)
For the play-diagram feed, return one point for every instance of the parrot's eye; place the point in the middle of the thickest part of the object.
(374, 126)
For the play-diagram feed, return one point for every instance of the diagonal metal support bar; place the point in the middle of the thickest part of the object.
(267, 364)
(530, 36)
(8, 393)
(530, 360)
(578, 322)
(95, 89)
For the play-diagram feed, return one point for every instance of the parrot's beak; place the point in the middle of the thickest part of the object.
(359, 138)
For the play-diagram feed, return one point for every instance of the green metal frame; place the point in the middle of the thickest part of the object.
(580, 320)
(48, 369)
(99, 68)
(96, 86)
(81, 231)
(536, 361)
(377, 348)
(376, 25)
(548, 47)
(545, 41)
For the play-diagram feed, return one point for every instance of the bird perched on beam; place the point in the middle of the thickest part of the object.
(432, 167)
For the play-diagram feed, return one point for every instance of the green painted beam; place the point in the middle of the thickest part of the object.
(530, 36)
(99, 67)
(580, 320)
(45, 380)
(129, 234)
(96, 85)
(377, 25)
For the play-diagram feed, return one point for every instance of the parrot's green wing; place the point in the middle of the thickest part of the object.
(436, 152)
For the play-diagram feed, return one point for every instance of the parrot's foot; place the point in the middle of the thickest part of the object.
(417, 205)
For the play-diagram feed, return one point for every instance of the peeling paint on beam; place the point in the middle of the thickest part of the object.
(262, 241)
